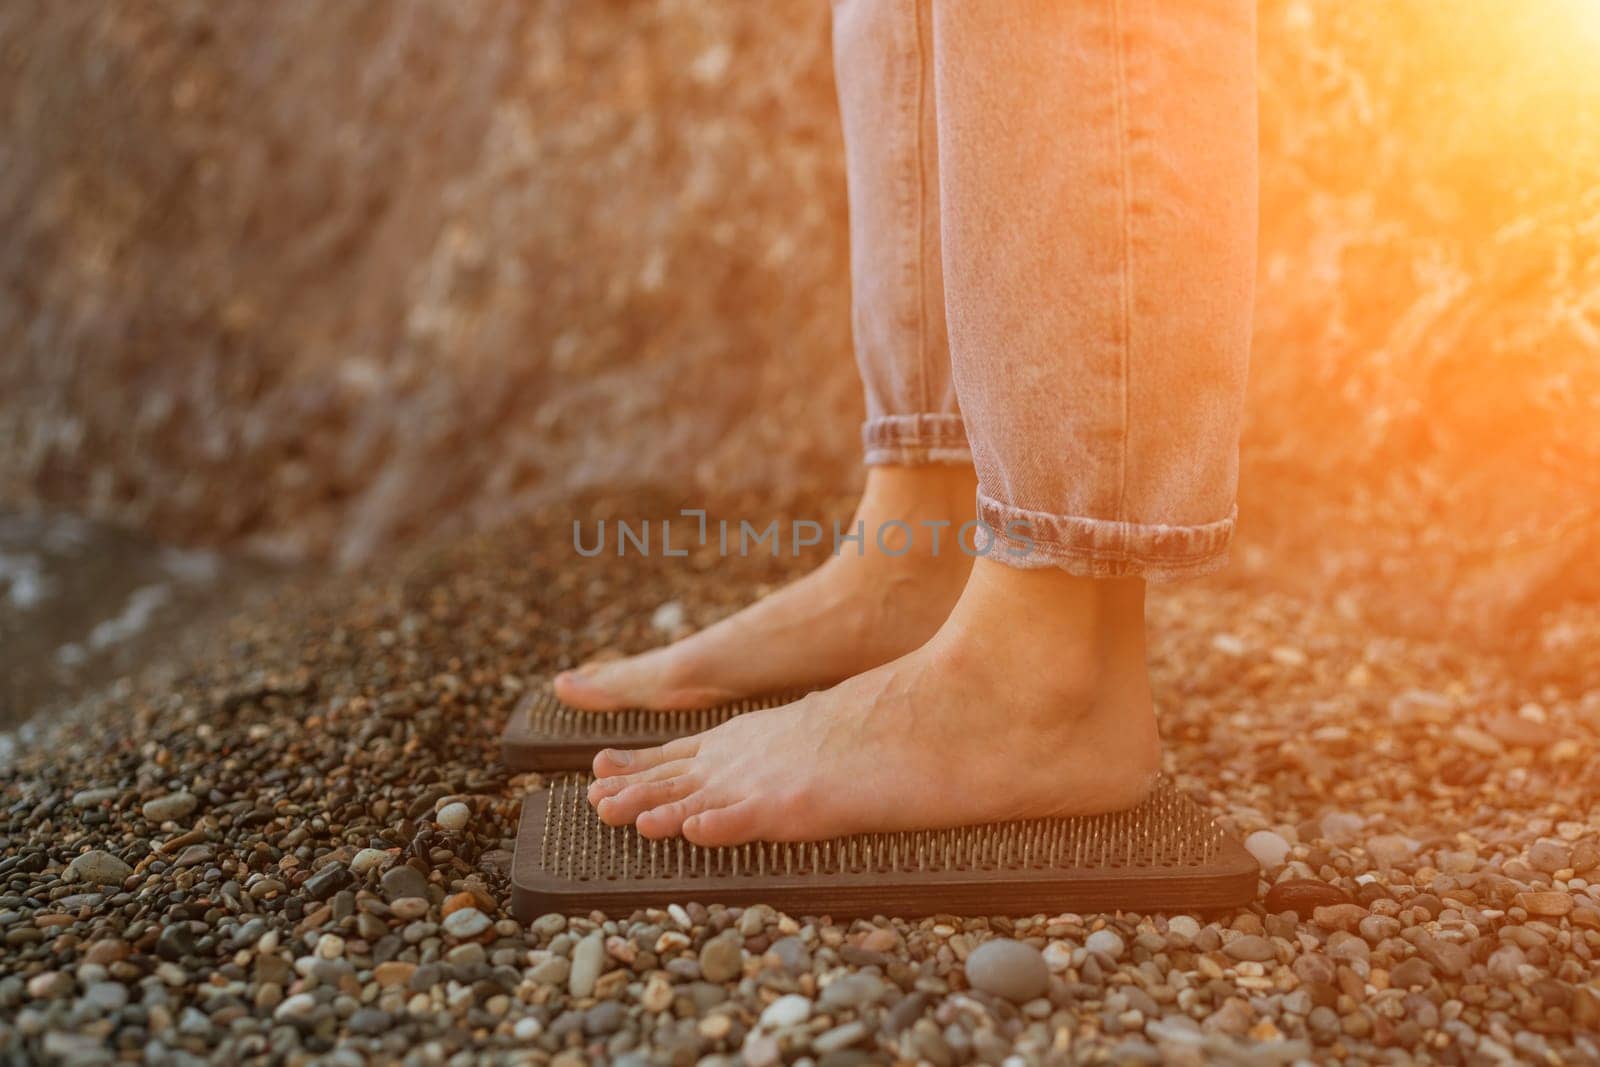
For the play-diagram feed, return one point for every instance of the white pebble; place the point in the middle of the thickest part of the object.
(791, 1010)
(453, 817)
(669, 618)
(1268, 848)
(1184, 926)
(367, 859)
(1058, 956)
(1106, 942)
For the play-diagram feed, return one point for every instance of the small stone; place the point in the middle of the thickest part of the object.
(456, 902)
(1549, 905)
(1232, 1018)
(93, 798)
(453, 817)
(858, 990)
(1447, 957)
(299, 1006)
(1184, 927)
(393, 974)
(175, 942)
(1414, 972)
(792, 953)
(404, 880)
(588, 957)
(790, 1010)
(604, 1018)
(721, 960)
(670, 618)
(50, 984)
(466, 922)
(1107, 943)
(1269, 849)
(1342, 827)
(1339, 916)
(196, 855)
(328, 881)
(369, 1022)
(1009, 969)
(840, 1037)
(106, 996)
(1391, 850)
(657, 995)
(551, 972)
(1250, 947)
(169, 808)
(1303, 896)
(408, 908)
(368, 859)
(881, 939)
(100, 868)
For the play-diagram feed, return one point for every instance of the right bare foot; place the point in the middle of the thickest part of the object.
(855, 612)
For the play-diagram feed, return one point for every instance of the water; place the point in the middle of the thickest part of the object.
(82, 603)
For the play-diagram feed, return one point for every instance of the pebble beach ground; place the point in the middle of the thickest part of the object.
(290, 843)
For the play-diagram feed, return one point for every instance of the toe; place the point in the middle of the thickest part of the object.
(667, 820)
(628, 805)
(587, 688)
(601, 788)
(614, 761)
(732, 825)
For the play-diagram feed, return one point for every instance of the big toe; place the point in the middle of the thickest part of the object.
(592, 687)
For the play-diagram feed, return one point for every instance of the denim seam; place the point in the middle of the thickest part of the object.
(1153, 547)
(928, 437)
(1125, 296)
(922, 209)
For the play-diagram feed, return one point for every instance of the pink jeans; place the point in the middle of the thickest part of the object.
(1052, 228)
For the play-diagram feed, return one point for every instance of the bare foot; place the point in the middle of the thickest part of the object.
(1032, 700)
(855, 612)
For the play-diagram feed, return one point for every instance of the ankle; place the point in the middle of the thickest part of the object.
(1076, 641)
(915, 514)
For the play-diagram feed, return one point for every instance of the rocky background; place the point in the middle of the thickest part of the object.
(311, 279)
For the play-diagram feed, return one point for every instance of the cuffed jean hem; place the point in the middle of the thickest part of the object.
(1101, 548)
(915, 440)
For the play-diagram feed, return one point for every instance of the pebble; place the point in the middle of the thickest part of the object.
(1250, 947)
(1303, 896)
(588, 957)
(840, 1037)
(1184, 927)
(170, 808)
(1547, 905)
(1549, 856)
(1412, 972)
(453, 817)
(721, 960)
(1009, 969)
(100, 868)
(466, 922)
(860, 990)
(1391, 850)
(1107, 943)
(790, 1010)
(1269, 849)
(368, 859)
(404, 880)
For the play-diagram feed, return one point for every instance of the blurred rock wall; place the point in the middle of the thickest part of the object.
(314, 277)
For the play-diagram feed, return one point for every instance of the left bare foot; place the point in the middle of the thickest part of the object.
(1032, 700)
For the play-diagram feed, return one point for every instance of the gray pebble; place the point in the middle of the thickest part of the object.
(170, 807)
(100, 868)
(1008, 969)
